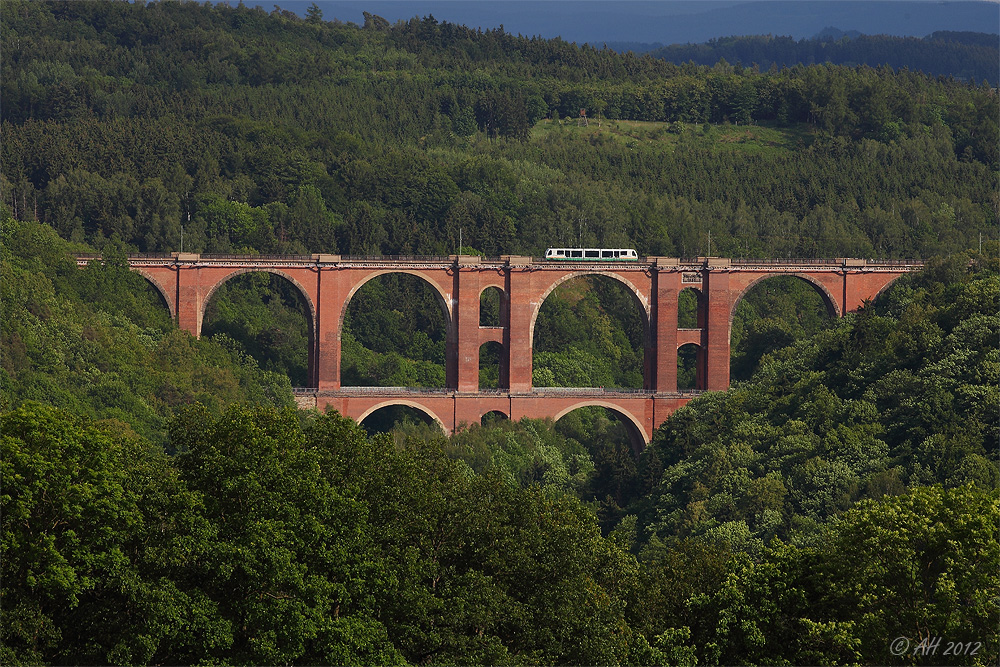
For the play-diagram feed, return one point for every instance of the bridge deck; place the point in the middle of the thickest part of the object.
(430, 261)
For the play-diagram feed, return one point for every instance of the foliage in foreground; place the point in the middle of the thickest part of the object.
(264, 542)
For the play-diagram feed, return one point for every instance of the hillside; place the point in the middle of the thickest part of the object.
(228, 126)
(98, 342)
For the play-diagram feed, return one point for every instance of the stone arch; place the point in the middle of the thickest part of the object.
(303, 292)
(444, 299)
(171, 306)
(278, 272)
(494, 412)
(408, 403)
(700, 310)
(636, 433)
(500, 310)
(640, 300)
(831, 303)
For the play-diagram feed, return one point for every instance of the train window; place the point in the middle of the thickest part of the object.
(592, 253)
(560, 253)
(576, 253)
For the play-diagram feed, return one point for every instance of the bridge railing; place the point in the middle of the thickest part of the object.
(131, 255)
(254, 257)
(396, 258)
(304, 391)
(819, 261)
(591, 390)
(895, 262)
(395, 390)
(445, 259)
(796, 261)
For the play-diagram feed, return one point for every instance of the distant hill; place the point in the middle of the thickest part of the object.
(963, 55)
(672, 21)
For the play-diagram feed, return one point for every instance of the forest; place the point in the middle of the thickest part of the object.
(163, 502)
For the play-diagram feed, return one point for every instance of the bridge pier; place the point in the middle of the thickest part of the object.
(720, 305)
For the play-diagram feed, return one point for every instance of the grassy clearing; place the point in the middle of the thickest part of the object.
(668, 136)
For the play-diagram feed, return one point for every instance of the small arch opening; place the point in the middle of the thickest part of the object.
(267, 316)
(774, 313)
(689, 371)
(394, 334)
(490, 365)
(491, 307)
(690, 309)
(403, 421)
(493, 418)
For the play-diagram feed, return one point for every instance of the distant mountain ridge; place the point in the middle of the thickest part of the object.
(963, 55)
(675, 22)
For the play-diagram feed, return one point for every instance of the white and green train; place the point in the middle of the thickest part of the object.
(591, 254)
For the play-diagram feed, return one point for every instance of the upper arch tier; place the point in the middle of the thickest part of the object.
(187, 280)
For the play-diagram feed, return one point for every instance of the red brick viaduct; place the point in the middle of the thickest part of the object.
(327, 282)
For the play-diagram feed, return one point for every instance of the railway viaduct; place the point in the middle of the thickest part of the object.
(187, 282)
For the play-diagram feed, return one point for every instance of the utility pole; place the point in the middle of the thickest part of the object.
(710, 243)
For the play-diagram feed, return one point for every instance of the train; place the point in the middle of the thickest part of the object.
(591, 254)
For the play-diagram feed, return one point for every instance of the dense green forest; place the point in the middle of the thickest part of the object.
(162, 502)
(269, 133)
(963, 55)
